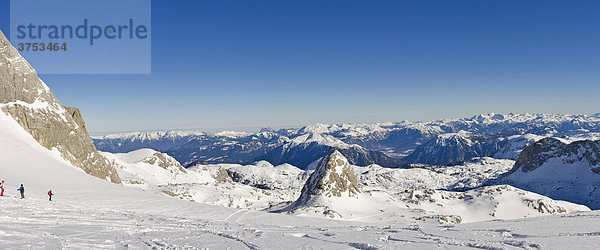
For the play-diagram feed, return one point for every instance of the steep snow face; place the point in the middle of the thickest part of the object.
(25, 97)
(562, 171)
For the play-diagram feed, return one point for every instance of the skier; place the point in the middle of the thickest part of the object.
(50, 195)
(2, 187)
(22, 191)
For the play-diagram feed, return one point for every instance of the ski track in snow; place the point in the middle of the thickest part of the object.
(36, 223)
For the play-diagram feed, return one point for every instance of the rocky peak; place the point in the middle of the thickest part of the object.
(25, 97)
(165, 161)
(333, 177)
(536, 154)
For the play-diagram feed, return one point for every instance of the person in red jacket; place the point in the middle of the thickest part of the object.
(50, 195)
(2, 187)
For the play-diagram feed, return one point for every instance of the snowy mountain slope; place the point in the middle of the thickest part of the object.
(562, 171)
(148, 168)
(256, 187)
(26, 98)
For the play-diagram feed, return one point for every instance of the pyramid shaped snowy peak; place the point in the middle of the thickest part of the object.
(333, 177)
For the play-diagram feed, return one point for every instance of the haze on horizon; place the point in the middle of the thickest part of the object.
(254, 64)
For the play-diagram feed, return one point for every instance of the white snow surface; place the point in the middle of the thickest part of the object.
(390, 195)
(89, 213)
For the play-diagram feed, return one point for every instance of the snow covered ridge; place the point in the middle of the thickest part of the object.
(559, 170)
(443, 142)
(27, 99)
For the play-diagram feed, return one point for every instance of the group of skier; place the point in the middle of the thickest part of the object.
(21, 190)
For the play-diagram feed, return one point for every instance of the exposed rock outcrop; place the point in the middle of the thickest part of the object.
(561, 171)
(25, 97)
(165, 161)
(332, 179)
(538, 153)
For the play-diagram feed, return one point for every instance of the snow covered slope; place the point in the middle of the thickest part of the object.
(339, 190)
(148, 168)
(562, 171)
(255, 187)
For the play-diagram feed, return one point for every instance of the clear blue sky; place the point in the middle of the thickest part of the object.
(223, 64)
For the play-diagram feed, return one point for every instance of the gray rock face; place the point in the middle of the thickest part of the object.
(569, 172)
(25, 97)
(536, 154)
(332, 178)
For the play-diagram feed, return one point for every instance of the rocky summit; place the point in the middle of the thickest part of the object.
(25, 97)
(332, 179)
(562, 171)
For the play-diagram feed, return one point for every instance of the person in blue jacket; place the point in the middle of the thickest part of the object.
(22, 191)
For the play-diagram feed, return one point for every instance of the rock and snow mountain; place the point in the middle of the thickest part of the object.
(565, 171)
(444, 142)
(148, 168)
(25, 97)
(332, 183)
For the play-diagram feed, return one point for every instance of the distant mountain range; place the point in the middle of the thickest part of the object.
(442, 142)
